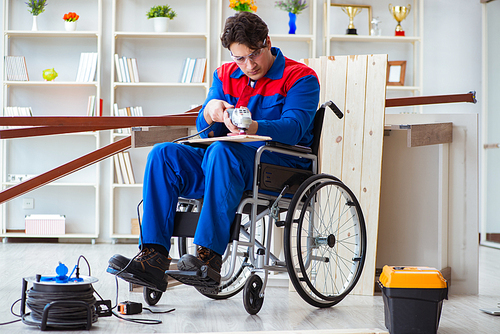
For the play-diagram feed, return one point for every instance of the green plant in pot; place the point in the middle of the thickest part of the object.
(160, 16)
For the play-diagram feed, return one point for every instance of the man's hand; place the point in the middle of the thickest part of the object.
(215, 111)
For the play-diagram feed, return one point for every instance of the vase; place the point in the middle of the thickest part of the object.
(291, 22)
(70, 26)
(160, 24)
(34, 27)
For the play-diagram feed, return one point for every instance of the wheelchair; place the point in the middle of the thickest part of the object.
(324, 232)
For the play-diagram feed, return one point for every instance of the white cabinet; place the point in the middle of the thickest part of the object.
(160, 60)
(408, 48)
(77, 195)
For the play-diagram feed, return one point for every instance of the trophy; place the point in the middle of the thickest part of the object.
(351, 12)
(399, 13)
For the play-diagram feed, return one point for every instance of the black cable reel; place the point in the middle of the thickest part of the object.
(61, 302)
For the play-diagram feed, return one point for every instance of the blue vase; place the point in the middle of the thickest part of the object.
(291, 22)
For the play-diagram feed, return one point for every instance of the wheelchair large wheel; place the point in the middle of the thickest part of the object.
(325, 240)
(235, 283)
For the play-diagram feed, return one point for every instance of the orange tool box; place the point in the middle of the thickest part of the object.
(413, 299)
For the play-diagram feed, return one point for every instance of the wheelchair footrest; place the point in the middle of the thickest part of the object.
(134, 279)
(205, 280)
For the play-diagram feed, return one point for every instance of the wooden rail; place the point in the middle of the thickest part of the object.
(47, 125)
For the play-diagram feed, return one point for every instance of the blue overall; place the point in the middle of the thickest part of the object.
(283, 102)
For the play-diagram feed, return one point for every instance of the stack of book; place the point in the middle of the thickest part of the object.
(15, 68)
(17, 111)
(194, 70)
(123, 168)
(126, 69)
(92, 106)
(87, 68)
(127, 111)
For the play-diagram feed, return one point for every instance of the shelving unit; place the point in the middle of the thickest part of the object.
(160, 58)
(395, 46)
(52, 47)
(292, 45)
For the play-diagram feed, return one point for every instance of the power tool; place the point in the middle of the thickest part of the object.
(241, 118)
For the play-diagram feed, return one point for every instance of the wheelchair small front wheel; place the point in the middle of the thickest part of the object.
(251, 294)
(152, 297)
(325, 240)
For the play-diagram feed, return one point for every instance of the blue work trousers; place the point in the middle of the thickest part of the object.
(219, 174)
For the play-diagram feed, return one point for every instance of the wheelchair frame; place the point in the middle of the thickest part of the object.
(306, 190)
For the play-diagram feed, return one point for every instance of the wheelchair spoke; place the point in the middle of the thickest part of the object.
(326, 241)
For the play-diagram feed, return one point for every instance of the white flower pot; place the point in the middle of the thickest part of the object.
(160, 24)
(34, 27)
(70, 26)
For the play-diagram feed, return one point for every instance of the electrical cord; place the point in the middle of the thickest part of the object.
(12, 311)
(137, 320)
(196, 134)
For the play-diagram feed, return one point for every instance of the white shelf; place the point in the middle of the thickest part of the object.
(22, 33)
(62, 236)
(52, 98)
(51, 83)
(292, 37)
(58, 184)
(159, 84)
(158, 73)
(123, 34)
(374, 39)
(391, 45)
(123, 185)
(124, 236)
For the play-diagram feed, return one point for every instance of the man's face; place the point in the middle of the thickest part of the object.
(254, 63)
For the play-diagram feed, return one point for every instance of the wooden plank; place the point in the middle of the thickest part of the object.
(371, 169)
(332, 136)
(430, 134)
(116, 122)
(354, 122)
(148, 136)
(65, 169)
(434, 99)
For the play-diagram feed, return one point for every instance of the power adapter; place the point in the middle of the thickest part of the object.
(128, 308)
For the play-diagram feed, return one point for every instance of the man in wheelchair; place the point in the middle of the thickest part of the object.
(282, 96)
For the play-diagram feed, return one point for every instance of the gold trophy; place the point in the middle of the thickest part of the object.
(399, 13)
(351, 12)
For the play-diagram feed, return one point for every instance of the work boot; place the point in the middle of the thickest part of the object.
(205, 257)
(147, 269)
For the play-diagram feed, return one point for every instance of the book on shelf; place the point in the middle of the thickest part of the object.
(87, 67)
(92, 106)
(16, 69)
(128, 167)
(126, 111)
(118, 171)
(193, 70)
(17, 111)
(123, 168)
(126, 69)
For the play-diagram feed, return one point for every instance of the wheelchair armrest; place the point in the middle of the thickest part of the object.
(294, 148)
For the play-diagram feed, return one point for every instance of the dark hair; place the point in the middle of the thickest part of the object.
(245, 28)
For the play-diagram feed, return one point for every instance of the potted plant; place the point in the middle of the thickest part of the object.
(243, 5)
(36, 7)
(160, 16)
(70, 21)
(293, 7)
